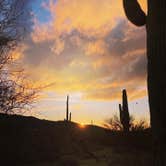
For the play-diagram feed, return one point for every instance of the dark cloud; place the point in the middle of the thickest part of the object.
(42, 53)
(138, 67)
(125, 39)
(118, 32)
(37, 53)
(126, 52)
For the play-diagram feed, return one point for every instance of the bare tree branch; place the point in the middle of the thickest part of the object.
(17, 94)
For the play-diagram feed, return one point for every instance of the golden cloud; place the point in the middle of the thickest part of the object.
(89, 17)
(88, 27)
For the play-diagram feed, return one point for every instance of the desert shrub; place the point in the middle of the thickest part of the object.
(115, 124)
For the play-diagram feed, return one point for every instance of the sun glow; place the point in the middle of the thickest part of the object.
(82, 125)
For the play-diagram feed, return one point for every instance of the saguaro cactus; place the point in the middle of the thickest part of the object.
(70, 117)
(156, 54)
(67, 109)
(124, 112)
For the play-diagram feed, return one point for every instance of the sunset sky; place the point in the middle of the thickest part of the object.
(87, 49)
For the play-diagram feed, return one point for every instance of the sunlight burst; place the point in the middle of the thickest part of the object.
(82, 125)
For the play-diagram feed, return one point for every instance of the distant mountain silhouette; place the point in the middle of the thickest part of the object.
(30, 140)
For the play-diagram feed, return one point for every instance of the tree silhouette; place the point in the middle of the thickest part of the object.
(156, 50)
(16, 92)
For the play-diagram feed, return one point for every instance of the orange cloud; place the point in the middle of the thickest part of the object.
(89, 17)
(84, 15)
(88, 27)
(95, 48)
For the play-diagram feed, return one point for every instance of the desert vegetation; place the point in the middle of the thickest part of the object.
(125, 122)
(121, 141)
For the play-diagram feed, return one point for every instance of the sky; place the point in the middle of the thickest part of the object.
(88, 50)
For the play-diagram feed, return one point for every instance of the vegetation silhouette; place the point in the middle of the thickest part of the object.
(70, 117)
(17, 93)
(114, 124)
(67, 109)
(30, 141)
(124, 112)
(125, 122)
(156, 50)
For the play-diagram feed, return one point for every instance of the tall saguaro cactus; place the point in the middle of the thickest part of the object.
(156, 54)
(124, 112)
(67, 109)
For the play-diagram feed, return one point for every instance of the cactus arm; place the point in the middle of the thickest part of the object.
(134, 12)
(70, 117)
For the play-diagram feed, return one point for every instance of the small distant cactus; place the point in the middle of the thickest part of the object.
(67, 109)
(70, 117)
(124, 112)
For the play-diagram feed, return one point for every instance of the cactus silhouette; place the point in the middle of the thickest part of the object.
(124, 112)
(67, 108)
(70, 117)
(156, 49)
